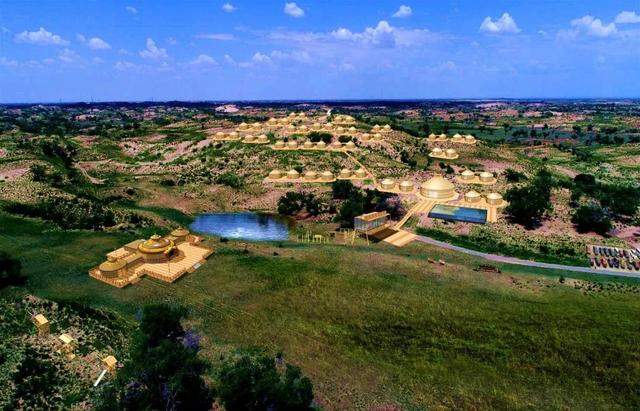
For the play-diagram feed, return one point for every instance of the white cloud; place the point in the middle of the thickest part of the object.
(5, 62)
(260, 58)
(403, 11)
(97, 60)
(68, 56)
(383, 35)
(48, 61)
(203, 60)
(505, 24)
(229, 8)
(293, 10)
(216, 36)
(172, 41)
(300, 56)
(131, 10)
(153, 52)
(41, 37)
(627, 17)
(124, 65)
(96, 43)
(229, 60)
(593, 27)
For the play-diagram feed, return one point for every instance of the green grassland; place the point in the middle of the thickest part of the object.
(375, 325)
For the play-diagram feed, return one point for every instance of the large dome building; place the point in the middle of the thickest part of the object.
(438, 188)
(156, 248)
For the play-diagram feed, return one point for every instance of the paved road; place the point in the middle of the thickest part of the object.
(517, 261)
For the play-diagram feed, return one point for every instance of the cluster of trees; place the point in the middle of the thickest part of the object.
(294, 203)
(357, 201)
(165, 372)
(529, 203)
(230, 179)
(316, 136)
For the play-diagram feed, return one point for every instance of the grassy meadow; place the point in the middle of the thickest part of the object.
(374, 325)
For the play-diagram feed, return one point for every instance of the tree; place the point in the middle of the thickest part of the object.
(513, 176)
(163, 370)
(591, 217)
(342, 189)
(529, 203)
(253, 383)
(10, 270)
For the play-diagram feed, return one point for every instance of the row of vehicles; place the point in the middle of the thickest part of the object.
(614, 258)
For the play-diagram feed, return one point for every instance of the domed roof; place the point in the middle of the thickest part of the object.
(350, 144)
(406, 183)
(292, 114)
(275, 174)
(311, 175)
(249, 137)
(279, 143)
(437, 183)
(468, 173)
(345, 171)
(376, 127)
(112, 264)
(469, 137)
(219, 134)
(272, 120)
(292, 143)
(457, 136)
(472, 194)
(263, 137)
(321, 144)
(494, 196)
(442, 135)
(352, 128)
(432, 136)
(180, 232)
(486, 174)
(387, 127)
(451, 151)
(327, 174)
(388, 181)
(243, 124)
(308, 144)
(292, 173)
(436, 150)
(301, 114)
(155, 244)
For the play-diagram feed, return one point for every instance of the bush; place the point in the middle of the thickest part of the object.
(514, 176)
(528, 204)
(293, 203)
(315, 137)
(230, 179)
(10, 270)
(591, 217)
(342, 189)
(254, 383)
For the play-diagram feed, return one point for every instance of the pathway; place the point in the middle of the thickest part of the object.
(517, 261)
(373, 177)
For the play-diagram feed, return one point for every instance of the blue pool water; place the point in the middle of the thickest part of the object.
(244, 226)
(454, 213)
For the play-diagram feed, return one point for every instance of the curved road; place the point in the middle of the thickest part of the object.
(517, 261)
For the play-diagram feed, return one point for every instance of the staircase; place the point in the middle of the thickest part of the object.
(420, 207)
(401, 238)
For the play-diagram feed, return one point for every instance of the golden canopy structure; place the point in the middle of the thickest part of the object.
(406, 186)
(472, 197)
(438, 188)
(165, 258)
(388, 184)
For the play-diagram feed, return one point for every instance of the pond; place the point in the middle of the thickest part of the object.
(243, 226)
(454, 213)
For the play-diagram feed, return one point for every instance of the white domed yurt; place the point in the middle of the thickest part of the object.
(350, 145)
(406, 186)
(326, 176)
(486, 177)
(292, 174)
(249, 138)
(377, 136)
(292, 144)
(219, 135)
(386, 128)
(311, 175)
(262, 138)
(360, 173)
(437, 188)
(457, 138)
(365, 136)
(336, 145)
(321, 145)
(451, 153)
(432, 137)
(442, 136)
(279, 144)
(308, 144)
(388, 184)
(275, 174)
(472, 197)
(469, 139)
(467, 175)
(436, 152)
(345, 173)
(494, 199)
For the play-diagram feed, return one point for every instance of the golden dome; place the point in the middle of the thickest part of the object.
(243, 125)
(388, 183)
(219, 134)
(387, 127)
(279, 144)
(272, 120)
(311, 175)
(350, 144)
(406, 185)
(155, 245)
(249, 137)
(327, 175)
(112, 264)
(457, 136)
(180, 232)
(376, 127)
(292, 114)
(451, 152)
(432, 136)
(436, 150)
(469, 137)
(360, 173)
(263, 137)
(352, 129)
(472, 196)
(345, 173)
(377, 136)
(292, 174)
(468, 174)
(308, 144)
(442, 135)
(494, 196)
(486, 176)
(321, 144)
(292, 144)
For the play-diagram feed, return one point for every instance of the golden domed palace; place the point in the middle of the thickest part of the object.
(165, 258)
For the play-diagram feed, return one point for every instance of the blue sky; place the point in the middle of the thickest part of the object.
(247, 49)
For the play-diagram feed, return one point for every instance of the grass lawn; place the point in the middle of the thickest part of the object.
(377, 325)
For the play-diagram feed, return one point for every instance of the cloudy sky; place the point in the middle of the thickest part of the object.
(323, 49)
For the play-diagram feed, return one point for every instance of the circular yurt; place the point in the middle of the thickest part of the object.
(467, 175)
(437, 151)
(113, 267)
(376, 127)
(345, 173)
(442, 136)
(336, 145)
(303, 128)
(308, 144)
(486, 177)
(350, 145)
(432, 137)
(262, 138)
(406, 186)
(450, 153)
(279, 144)
(457, 138)
(292, 174)
(339, 129)
(326, 176)
(233, 134)
(311, 175)
(437, 188)
(292, 115)
(472, 197)
(219, 134)
(321, 145)
(469, 139)
(494, 199)
(388, 184)
(377, 136)
(352, 129)
(249, 138)
(316, 126)
(243, 126)
(155, 248)
(180, 234)
(292, 144)
(386, 128)
(365, 136)
(275, 174)
(256, 125)
(360, 173)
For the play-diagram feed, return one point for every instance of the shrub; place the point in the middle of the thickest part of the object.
(315, 137)
(591, 217)
(230, 179)
(514, 176)
(293, 203)
(342, 189)
(10, 270)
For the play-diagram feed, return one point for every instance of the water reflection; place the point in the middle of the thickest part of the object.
(245, 226)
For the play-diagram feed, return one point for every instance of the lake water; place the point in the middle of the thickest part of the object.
(454, 213)
(243, 226)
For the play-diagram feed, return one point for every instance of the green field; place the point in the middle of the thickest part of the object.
(375, 325)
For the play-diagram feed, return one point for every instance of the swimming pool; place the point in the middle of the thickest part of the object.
(455, 213)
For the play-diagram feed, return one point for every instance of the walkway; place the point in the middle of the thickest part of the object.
(373, 177)
(423, 206)
(517, 261)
